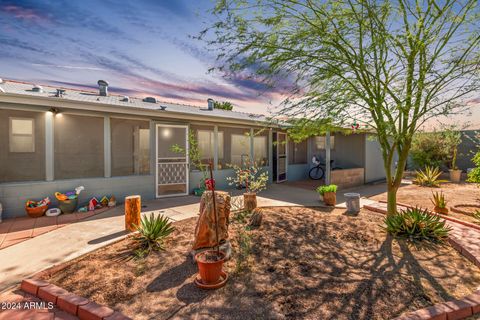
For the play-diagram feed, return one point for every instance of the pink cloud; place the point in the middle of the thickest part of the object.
(24, 13)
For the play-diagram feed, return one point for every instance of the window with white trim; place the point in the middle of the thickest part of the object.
(22, 134)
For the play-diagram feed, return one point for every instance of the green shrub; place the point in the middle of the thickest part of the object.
(438, 200)
(152, 233)
(474, 175)
(417, 224)
(428, 177)
(327, 188)
(428, 150)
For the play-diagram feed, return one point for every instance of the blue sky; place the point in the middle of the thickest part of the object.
(140, 47)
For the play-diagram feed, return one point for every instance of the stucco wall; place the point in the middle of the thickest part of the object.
(297, 172)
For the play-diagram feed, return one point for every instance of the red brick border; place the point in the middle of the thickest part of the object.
(450, 310)
(69, 302)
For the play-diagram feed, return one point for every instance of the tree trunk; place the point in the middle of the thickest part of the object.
(393, 183)
(133, 208)
(249, 201)
(392, 199)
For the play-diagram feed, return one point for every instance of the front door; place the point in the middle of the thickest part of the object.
(281, 156)
(172, 160)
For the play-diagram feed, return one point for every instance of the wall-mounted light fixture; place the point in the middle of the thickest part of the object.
(53, 110)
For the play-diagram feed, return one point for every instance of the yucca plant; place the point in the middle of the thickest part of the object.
(428, 177)
(152, 232)
(438, 200)
(417, 224)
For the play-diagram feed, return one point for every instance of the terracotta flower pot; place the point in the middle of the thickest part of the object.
(455, 175)
(440, 210)
(209, 266)
(36, 212)
(330, 198)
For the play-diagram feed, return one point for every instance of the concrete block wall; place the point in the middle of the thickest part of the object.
(14, 195)
(347, 178)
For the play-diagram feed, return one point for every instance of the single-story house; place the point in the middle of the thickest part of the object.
(55, 139)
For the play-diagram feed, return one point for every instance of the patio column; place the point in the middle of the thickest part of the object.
(327, 158)
(49, 150)
(215, 148)
(252, 149)
(107, 154)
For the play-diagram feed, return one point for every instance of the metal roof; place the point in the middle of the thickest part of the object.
(93, 97)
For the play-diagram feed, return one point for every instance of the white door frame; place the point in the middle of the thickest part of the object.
(187, 160)
(278, 157)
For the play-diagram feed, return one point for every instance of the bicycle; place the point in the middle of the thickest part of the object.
(317, 172)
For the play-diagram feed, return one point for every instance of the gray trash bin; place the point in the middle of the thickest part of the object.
(353, 202)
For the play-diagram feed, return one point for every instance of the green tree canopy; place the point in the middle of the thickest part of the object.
(391, 64)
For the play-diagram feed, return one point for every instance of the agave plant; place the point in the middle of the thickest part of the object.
(428, 177)
(417, 224)
(152, 232)
(438, 200)
(476, 215)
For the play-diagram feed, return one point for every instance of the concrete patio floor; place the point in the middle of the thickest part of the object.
(69, 242)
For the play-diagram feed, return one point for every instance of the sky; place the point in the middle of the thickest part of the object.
(142, 48)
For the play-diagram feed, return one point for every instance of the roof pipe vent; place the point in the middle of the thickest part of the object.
(103, 88)
(2, 90)
(150, 99)
(60, 93)
(211, 104)
(37, 88)
(126, 99)
(1, 80)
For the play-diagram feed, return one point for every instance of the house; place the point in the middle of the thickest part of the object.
(55, 139)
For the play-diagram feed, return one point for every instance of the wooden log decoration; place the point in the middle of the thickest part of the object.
(256, 218)
(249, 201)
(133, 208)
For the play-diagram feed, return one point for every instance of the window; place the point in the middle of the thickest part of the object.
(297, 152)
(130, 147)
(79, 147)
(205, 137)
(260, 147)
(22, 146)
(22, 135)
(236, 149)
(320, 142)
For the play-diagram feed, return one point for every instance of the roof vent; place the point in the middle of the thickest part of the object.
(1, 80)
(60, 93)
(150, 99)
(211, 104)
(126, 99)
(103, 88)
(162, 107)
(37, 88)
(2, 90)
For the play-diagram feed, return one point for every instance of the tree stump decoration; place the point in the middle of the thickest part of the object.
(133, 208)
(249, 201)
(205, 229)
(256, 218)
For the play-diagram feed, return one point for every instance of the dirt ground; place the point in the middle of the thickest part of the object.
(455, 193)
(302, 263)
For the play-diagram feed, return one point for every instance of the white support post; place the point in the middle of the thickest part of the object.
(327, 158)
(270, 154)
(49, 147)
(252, 149)
(107, 147)
(215, 148)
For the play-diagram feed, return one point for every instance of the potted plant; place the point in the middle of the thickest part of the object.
(210, 262)
(452, 139)
(328, 193)
(439, 202)
(252, 179)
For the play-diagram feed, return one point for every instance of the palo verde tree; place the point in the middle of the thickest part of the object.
(392, 64)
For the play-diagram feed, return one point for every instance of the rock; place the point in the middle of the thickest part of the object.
(256, 218)
(205, 229)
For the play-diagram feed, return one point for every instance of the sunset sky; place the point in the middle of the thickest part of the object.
(140, 47)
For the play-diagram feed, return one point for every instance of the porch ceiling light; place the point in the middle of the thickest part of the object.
(166, 133)
(53, 110)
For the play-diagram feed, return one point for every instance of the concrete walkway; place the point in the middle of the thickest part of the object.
(33, 255)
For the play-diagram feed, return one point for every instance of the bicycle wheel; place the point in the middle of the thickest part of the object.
(316, 173)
